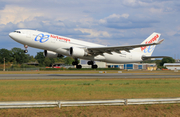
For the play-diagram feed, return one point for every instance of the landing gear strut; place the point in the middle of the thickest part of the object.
(92, 64)
(76, 63)
(25, 46)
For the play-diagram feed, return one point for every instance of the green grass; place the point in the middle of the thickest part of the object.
(14, 90)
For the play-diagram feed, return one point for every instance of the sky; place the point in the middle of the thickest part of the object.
(106, 22)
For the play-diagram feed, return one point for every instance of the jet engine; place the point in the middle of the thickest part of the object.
(51, 54)
(77, 52)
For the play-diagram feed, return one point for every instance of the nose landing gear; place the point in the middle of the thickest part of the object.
(25, 46)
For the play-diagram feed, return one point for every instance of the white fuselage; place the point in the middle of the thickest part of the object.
(59, 44)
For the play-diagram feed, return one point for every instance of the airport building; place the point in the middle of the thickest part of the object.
(172, 66)
(129, 66)
(134, 66)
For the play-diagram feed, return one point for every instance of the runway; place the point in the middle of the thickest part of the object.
(84, 76)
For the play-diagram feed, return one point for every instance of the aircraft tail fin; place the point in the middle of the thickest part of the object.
(148, 50)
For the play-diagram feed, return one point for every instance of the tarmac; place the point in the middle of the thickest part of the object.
(85, 76)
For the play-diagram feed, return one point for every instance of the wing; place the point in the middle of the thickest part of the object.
(117, 49)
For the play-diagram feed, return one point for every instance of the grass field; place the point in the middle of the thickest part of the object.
(87, 89)
(90, 89)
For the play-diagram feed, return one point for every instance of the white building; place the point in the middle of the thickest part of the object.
(172, 66)
(136, 66)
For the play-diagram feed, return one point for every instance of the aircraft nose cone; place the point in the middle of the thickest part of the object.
(11, 35)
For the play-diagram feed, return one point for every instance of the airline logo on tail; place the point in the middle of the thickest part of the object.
(149, 49)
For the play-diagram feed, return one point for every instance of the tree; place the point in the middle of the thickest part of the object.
(40, 58)
(158, 63)
(47, 61)
(19, 56)
(32, 59)
(68, 60)
(167, 60)
(58, 60)
(4, 53)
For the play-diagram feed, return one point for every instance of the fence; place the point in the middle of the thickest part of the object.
(32, 104)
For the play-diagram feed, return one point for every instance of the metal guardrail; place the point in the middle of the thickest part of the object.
(153, 101)
(92, 103)
(32, 104)
(28, 104)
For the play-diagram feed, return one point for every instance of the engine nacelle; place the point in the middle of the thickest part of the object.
(77, 52)
(51, 54)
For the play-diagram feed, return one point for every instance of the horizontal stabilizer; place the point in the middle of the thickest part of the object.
(149, 57)
(159, 42)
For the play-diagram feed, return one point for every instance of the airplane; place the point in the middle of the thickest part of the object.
(55, 45)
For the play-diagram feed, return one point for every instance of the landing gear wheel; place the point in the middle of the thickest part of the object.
(76, 62)
(94, 66)
(90, 62)
(78, 66)
(25, 51)
(25, 46)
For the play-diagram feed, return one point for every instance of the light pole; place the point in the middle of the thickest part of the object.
(4, 64)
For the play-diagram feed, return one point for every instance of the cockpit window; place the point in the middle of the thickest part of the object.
(17, 31)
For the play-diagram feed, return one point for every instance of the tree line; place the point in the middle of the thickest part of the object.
(160, 63)
(17, 56)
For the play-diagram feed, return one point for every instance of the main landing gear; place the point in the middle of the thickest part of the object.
(76, 63)
(25, 46)
(92, 64)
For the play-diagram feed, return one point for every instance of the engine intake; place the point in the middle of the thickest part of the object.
(51, 54)
(77, 52)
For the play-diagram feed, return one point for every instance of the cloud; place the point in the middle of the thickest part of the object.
(124, 21)
(136, 3)
(16, 14)
(105, 22)
(114, 17)
(94, 33)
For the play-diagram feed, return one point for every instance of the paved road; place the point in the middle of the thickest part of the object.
(83, 76)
